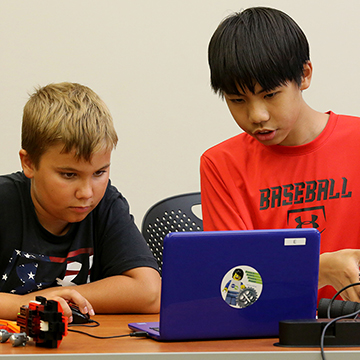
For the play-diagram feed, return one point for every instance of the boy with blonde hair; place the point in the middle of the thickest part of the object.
(292, 167)
(65, 231)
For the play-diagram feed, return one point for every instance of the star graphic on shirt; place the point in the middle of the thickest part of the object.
(4, 277)
(27, 255)
(31, 275)
(18, 252)
(39, 286)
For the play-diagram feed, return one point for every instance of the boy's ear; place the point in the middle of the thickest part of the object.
(26, 163)
(306, 78)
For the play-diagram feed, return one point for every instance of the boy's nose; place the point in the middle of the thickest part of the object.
(258, 114)
(85, 191)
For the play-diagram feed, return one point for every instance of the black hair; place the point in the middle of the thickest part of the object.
(258, 45)
(239, 272)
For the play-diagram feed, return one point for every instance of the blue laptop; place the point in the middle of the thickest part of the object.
(235, 284)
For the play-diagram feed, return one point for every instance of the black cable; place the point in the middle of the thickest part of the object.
(137, 334)
(88, 324)
(336, 295)
(327, 326)
(96, 324)
(336, 319)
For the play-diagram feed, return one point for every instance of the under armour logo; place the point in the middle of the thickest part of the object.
(311, 222)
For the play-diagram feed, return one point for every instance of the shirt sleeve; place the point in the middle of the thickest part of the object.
(220, 210)
(119, 244)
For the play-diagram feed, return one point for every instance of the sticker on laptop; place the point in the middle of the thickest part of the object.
(241, 286)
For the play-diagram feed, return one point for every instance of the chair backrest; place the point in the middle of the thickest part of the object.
(172, 214)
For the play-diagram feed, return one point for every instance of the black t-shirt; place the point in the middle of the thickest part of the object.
(106, 243)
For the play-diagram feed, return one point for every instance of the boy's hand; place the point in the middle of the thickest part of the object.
(65, 295)
(11, 303)
(339, 269)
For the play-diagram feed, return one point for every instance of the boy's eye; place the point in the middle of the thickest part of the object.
(68, 175)
(237, 101)
(270, 95)
(99, 173)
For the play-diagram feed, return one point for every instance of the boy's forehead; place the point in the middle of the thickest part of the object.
(243, 90)
(243, 86)
(57, 153)
(256, 89)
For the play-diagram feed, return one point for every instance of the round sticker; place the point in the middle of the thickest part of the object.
(241, 286)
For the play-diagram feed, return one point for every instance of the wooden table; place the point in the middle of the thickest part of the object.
(82, 347)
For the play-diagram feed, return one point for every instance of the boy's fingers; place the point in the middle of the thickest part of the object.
(64, 296)
(64, 305)
(351, 294)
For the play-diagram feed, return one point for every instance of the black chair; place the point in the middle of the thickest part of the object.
(172, 214)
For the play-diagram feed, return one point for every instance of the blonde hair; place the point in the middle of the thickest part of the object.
(67, 113)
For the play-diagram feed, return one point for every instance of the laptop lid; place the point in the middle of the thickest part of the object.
(236, 284)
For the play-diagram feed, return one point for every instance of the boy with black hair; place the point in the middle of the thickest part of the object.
(293, 166)
(65, 231)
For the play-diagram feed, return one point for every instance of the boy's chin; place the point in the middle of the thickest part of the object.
(74, 218)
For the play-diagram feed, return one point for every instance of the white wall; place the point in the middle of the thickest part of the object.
(147, 59)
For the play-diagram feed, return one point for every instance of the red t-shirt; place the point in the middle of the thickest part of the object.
(248, 185)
